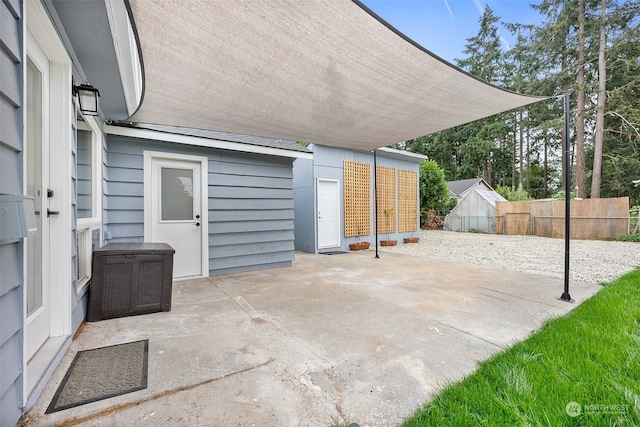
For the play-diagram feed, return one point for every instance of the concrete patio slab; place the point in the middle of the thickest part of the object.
(333, 339)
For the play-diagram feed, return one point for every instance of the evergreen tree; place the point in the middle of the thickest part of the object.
(566, 52)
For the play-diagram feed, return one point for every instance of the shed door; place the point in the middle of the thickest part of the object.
(328, 213)
(175, 212)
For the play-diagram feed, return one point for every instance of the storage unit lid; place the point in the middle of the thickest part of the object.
(135, 248)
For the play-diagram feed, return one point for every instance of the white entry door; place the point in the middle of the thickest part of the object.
(328, 213)
(176, 217)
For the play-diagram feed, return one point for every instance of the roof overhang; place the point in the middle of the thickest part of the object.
(197, 138)
(325, 72)
(403, 155)
(104, 49)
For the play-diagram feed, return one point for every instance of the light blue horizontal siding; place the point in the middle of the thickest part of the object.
(243, 204)
(132, 189)
(259, 193)
(254, 249)
(125, 160)
(124, 216)
(250, 213)
(251, 262)
(10, 170)
(230, 215)
(250, 181)
(257, 225)
(11, 262)
(124, 203)
(250, 203)
(253, 267)
(11, 339)
(126, 175)
(257, 170)
(264, 236)
(10, 352)
(126, 232)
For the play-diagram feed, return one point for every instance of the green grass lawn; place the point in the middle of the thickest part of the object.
(582, 369)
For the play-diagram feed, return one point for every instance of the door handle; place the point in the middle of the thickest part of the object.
(50, 212)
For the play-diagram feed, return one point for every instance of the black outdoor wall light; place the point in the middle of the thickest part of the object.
(87, 98)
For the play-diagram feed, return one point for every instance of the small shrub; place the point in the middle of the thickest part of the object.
(513, 195)
(560, 195)
(633, 214)
(434, 192)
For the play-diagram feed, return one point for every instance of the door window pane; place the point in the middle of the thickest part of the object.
(176, 194)
(34, 185)
(85, 174)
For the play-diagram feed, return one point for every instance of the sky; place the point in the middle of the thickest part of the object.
(443, 26)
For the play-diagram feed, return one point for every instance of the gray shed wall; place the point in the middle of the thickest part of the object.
(250, 200)
(11, 145)
(303, 196)
(328, 164)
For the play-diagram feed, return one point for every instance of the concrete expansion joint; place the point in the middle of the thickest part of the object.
(501, 347)
(117, 408)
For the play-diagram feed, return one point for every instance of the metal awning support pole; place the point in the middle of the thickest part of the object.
(375, 197)
(567, 210)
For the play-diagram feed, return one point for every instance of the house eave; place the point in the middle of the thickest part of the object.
(203, 142)
(100, 38)
(401, 155)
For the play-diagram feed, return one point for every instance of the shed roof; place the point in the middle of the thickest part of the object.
(460, 186)
(324, 72)
(491, 196)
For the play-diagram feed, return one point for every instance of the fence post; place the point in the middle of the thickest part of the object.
(533, 225)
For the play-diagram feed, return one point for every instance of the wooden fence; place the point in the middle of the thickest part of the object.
(590, 218)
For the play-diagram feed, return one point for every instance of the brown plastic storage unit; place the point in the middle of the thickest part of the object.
(130, 279)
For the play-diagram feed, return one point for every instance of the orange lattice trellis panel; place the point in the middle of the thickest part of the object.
(357, 190)
(386, 199)
(407, 200)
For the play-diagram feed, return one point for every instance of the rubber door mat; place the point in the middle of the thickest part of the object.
(102, 373)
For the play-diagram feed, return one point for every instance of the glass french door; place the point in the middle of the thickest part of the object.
(37, 172)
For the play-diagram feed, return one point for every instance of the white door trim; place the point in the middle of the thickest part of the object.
(337, 209)
(204, 199)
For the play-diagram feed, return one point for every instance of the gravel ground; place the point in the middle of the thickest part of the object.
(591, 261)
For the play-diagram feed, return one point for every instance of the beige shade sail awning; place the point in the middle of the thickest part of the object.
(321, 71)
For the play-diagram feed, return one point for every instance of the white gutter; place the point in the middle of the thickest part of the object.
(127, 55)
(401, 154)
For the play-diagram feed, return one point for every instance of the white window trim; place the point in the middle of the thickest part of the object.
(90, 124)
